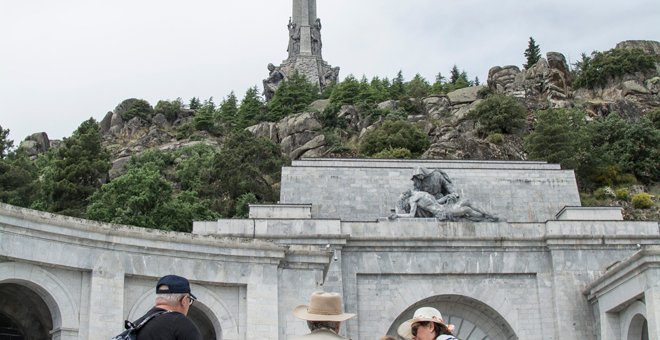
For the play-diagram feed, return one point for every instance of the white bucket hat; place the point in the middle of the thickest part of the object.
(421, 315)
(323, 306)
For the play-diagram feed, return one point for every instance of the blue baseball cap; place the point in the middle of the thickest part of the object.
(175, 285)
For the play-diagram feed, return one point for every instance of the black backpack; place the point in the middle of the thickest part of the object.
(132, 329)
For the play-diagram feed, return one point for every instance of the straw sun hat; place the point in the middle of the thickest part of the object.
(421, 315)
(323, 306)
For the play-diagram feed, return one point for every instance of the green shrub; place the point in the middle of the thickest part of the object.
(642, 201)
(394, 134)
(292, 96)
(601, 193)
(396, 153)
(170, 109)
(588, 200)
(243, 204)
(654, 117)
(499, 114)
(130, 108)
(557, 137)
(333, 142)
(484, 92)
(622, 194)
(596, 70)
(184, 131)
(495, 138)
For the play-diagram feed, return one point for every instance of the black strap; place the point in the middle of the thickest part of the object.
(131, 325)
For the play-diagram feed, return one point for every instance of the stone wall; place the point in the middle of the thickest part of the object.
(538, 277)
(367, 190)
(79, 267)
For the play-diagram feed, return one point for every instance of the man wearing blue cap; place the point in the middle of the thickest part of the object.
(173, 300)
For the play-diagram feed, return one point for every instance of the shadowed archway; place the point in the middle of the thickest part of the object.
(23, 314)
(473, 319)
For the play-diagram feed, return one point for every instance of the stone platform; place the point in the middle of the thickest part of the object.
(551, 270)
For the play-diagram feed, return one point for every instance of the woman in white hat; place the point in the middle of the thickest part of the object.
(324, 315)
(426, 324)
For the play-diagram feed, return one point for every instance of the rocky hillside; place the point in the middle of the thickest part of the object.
(444, 118)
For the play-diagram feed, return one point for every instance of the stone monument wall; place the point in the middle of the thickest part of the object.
(368, 189)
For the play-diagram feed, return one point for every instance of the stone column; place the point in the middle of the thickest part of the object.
(106, 299)
(304, 16)
(610, 326)
(262, 303)
(652, 296)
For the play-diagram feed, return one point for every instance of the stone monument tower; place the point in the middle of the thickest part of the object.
(304, 51)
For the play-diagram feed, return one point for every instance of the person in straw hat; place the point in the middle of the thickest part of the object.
(324, 315)
(426, 324)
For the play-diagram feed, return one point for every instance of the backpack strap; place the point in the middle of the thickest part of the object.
(131, 325)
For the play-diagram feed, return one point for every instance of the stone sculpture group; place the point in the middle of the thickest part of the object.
(433, 195)
(304, 52)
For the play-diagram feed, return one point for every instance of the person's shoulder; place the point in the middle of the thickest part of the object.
(319, 335)
(446, 337)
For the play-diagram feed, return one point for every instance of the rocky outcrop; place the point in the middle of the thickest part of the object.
(648, 46)
(502, 79)
(265, 129)
(558, 79)
(391, 105)
(437, 106)
(548, 79)
(319, 105)
(631, 95)
(296, 134)
(35, 144)
(465, 95)
(298, 124)
(353, 119)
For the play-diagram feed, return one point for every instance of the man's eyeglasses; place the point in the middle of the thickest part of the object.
(190, 300)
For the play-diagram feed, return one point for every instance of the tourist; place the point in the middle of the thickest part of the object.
(324, 315)
(173, 297)
(426, 324)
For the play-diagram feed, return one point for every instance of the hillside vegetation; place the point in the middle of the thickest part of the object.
(167, 165)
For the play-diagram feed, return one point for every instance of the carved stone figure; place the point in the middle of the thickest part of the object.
(436, 182)
(316, 38)
(273, 81)
(294, 39)
(433, 195)
(304, 51)
(414, 203)
(330, 76)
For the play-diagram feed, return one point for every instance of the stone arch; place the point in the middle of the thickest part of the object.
(472, 318)
(50, 289)
(633, 322)
(208, 303)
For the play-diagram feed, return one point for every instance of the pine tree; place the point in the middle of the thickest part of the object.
(398, 90)
(251, 109)
(532, 53)
(75, 172)
(440, 84)
(228, 109)
(418, 87)
(5, 143)
(204, 119)
(293, 96)
(454, 74)
(194, 103)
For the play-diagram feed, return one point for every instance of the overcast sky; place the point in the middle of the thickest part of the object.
(63, 61)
